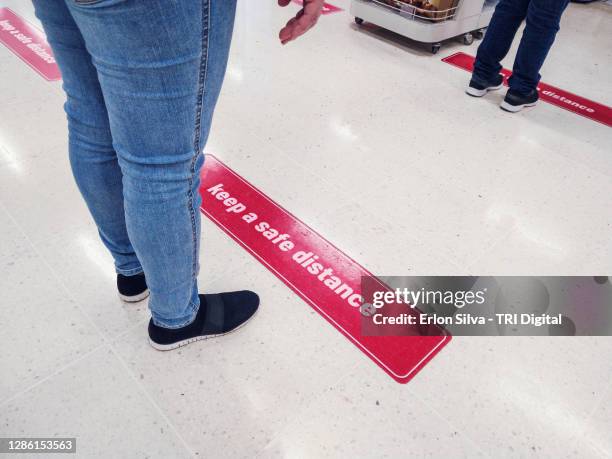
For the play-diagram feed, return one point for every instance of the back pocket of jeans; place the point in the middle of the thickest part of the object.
(99, 3)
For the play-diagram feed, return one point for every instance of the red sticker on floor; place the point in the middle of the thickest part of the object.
(555, 96)
(29, 43)
(327, 8)
(317, 271)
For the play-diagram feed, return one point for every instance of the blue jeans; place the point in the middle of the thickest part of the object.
(543, 17)
(142, 79)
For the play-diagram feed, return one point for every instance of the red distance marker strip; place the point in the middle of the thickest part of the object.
(29, 44)
(327, 8)
(555, 96)
(288, 247)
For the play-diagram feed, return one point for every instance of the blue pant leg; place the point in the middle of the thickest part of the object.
(543, 19)
(506, 20)
(92, 156)
(160, 65)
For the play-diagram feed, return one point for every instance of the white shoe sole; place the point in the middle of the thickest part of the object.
(185, 342)
(515, 108)
(135, 298)
(481, 92)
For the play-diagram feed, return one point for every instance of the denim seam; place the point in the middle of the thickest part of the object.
(198, 121)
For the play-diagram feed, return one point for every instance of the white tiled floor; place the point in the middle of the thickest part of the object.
(370, 140)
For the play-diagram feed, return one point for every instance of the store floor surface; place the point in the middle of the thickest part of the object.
(370, 140)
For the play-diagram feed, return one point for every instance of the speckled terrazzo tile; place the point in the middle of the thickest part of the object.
(368, 415)
(518, 396)
(42, 329)
(97, 402)
(234, 393)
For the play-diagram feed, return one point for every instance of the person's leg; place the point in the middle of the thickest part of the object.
(160, 65)
(543, 18)
(92, 156)
(506, 20)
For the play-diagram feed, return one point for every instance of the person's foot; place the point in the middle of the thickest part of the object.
(515, 102)
(219, 314)
(478, 90)
(132, 288)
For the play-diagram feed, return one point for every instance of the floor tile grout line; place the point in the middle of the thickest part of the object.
(118, 336)
(350, 200)
(149, 397)
(505, 237)
(346, 196)
(489, 248)
(54, 274)
(455, 264)
(318, 397)
(109, 340)
(127, 369)
(607, 392)
(549, 194)
(52, 375)
(105, 340)
(291, 420)
(479, 257)
(445, 420)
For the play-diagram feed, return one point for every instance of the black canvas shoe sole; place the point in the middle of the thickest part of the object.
(516, 108)
(134, 298)
(185, 342)
(474, 92)
(515, 102)
(219, 314)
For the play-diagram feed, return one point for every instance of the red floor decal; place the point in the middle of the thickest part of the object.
(555, 96)
(29, 43)
(300, 257)
(327, 8)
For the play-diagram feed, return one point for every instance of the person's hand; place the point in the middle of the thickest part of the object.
(302, 22)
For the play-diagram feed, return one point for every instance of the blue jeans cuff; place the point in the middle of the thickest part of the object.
(178, 323)
(129, 272)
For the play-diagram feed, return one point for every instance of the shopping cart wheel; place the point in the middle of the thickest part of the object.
(435, 47)
(468, 38)
(478, 34)
(358, 21)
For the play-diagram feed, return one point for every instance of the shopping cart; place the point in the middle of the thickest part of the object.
(430, 21)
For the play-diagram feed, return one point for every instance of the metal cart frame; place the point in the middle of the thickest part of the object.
(468, 19)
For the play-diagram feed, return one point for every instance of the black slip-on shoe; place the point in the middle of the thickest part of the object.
(515, 102)
(132, 288)
(219, 314)
(477, 90)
